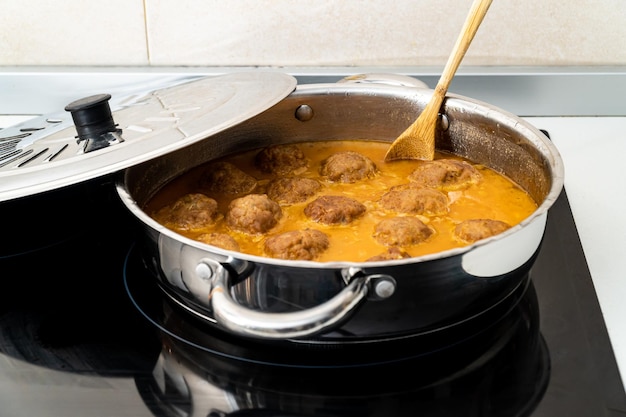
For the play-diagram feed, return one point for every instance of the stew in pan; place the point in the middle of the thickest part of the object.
(339, 201)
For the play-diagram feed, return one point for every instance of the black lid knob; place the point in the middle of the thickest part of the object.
(92, 116)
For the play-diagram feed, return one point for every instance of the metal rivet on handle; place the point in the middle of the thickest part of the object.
(304, 113)
(204, 271)
(384, 287)
(444, 123)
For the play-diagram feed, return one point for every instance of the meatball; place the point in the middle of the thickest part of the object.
(281, 160)
(401, 231)
(347, 167)
(391, 254)
(445, 174)
(476, 229)
(334, 209)
(253, 213)
(292, 190)
(221, 240)
(304, 244)
(226, 178)
(413, 199)
(191, 211)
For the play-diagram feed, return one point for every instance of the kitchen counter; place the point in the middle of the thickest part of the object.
(591, 139)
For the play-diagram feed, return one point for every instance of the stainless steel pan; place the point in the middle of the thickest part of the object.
(346, 302)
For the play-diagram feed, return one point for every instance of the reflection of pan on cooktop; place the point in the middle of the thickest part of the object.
(179, 386)
(508, 379)
(64, 342)
(65, 308)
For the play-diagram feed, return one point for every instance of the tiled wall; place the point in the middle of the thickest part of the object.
(307, 33)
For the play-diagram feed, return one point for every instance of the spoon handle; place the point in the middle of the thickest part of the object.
(418, 140)
(472, 22)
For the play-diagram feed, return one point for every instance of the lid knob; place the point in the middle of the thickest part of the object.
(92, 116)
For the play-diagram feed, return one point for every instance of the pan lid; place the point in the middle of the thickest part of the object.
(101, 134)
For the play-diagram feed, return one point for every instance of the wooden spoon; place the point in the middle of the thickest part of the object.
(418, 140)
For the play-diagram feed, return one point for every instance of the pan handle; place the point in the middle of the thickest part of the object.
(304, 323)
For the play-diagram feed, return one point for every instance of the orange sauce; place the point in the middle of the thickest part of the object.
(494, 197)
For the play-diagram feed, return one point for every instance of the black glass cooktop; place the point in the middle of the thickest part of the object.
(84, 333)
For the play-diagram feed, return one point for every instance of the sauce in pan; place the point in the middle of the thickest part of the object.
(340, 202)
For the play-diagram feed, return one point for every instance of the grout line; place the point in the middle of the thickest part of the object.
(145, 28)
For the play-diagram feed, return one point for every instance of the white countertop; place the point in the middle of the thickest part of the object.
(593, 151)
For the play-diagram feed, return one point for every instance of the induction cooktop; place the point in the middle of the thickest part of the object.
(77, 338)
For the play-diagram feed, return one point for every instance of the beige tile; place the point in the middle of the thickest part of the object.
(284, 32)
(296, 33)
(551, 32)
(65, 32)
(379, 32)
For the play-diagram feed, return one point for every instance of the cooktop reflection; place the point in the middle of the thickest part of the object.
(83, 333)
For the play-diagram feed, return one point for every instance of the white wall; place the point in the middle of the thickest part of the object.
(307, 33)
